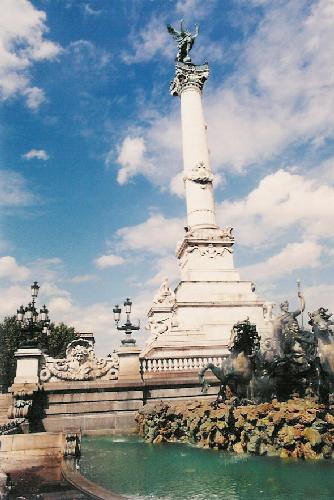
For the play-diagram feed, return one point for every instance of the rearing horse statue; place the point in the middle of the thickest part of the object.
(236, 371)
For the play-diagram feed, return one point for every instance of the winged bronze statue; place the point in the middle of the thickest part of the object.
(185, 40)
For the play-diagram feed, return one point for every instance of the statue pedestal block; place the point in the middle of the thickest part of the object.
(129, 364)
(28, 364)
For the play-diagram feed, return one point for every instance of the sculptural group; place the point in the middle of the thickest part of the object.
(295, 361)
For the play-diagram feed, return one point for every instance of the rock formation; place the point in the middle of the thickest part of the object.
(298, 428)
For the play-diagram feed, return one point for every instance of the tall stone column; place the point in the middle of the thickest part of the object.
(206, 250)
(188, 84)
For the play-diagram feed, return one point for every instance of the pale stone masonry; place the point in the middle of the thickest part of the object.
(194, 322)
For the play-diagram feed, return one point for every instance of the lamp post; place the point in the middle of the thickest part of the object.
(128, 327)
(34, 325)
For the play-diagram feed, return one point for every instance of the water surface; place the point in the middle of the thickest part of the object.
(140, 470)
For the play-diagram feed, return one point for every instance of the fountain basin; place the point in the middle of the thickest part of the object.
(133, 468)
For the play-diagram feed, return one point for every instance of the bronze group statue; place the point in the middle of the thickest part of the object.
(294, 361)
(185, 40)
(236, 370)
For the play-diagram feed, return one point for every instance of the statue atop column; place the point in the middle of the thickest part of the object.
(185, 40)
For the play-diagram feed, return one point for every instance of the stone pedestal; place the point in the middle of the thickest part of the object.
(28, 365)
(129, 365)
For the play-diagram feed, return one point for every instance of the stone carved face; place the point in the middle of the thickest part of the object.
(285, 306)
(80, 354)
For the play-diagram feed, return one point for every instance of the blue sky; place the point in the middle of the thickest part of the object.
(90, 163)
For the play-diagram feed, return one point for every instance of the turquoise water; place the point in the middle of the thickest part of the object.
(136, 469)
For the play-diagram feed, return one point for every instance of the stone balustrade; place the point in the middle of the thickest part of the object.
(176, 364)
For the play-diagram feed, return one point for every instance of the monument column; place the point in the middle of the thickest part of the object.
(196, 320)
(188, 84)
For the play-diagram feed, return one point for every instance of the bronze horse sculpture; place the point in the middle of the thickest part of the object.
(236, 371)
(302, 363)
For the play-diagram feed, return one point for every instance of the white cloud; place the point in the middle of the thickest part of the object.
(90, 11)
(10, 270)
(22, 43)
(13, 190)
(84, 278)
(35, 97)
(166, 266)
(319, 296)
(293, 257)
(156, 235)
(194, 9)
(85, 54)
(108, 261)
(281, 93)
(154, 153)
(59, 306)
(38, 154)
(279, 96)
(281, 201)
(11, 299)
(152, 41)
(130, 157)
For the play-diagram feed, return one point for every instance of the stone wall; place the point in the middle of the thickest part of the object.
(297, 428)
(36, 449)
(111, 406)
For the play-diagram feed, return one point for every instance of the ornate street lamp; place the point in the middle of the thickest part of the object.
(128, 327)
(34, 325)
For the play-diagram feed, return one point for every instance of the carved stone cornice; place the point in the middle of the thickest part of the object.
(187, 76)
(207, 241)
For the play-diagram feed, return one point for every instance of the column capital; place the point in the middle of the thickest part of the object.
(188, 76)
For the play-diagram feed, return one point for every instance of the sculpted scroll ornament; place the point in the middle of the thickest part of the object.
(200, 174)
(80, 364)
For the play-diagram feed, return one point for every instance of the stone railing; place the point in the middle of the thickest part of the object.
(193, 363)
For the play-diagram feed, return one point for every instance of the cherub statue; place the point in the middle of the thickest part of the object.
(185, 40)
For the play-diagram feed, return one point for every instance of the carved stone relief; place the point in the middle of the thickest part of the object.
(200, 174)
(224, 234)
(80, 364)
(210, 250)
(161, 323)
(22, 401)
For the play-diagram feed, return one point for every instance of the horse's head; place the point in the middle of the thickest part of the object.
(246, 339)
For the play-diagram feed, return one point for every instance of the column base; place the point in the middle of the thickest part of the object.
(28, 364)
(129, 364)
